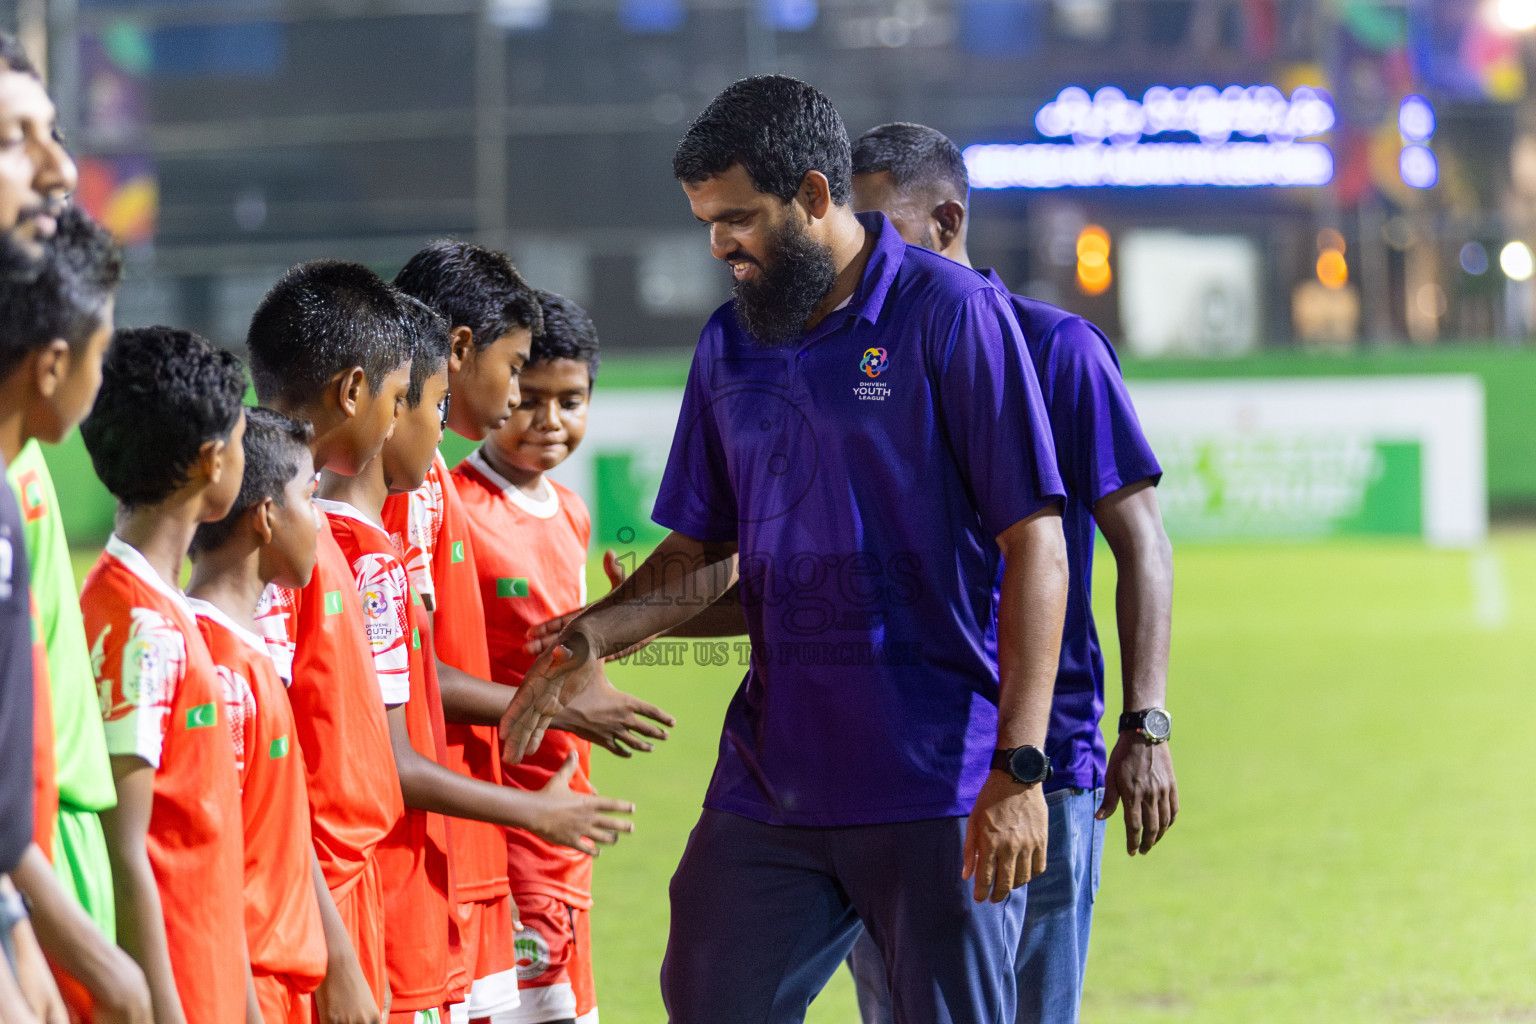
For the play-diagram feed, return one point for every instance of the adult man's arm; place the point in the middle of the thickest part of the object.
(1005, 839)
(1140, 773)
(679, 579)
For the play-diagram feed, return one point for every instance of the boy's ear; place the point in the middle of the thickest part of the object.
(262, 519)
(350, 385)
(50, 365)
(461, 348)
(210, 460)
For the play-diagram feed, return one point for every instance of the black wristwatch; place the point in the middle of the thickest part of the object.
(1154, 725)
(1028, 765)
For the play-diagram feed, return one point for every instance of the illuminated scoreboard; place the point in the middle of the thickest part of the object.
(1242, 137)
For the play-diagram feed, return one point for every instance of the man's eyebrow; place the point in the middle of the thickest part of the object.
(740, 211)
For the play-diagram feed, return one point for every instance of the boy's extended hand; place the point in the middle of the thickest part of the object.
(611, 718)
(580, 820)
(549, 686)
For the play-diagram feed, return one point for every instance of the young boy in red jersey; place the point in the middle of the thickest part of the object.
(493, 313)
(328, 346)
(165, 437)
(530, 535)
(269, 536)
(419, 962)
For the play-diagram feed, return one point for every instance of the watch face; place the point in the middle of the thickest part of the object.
(1028, 764)
(1158, 724)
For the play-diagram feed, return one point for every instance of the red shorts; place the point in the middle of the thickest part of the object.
(362, 914)
(281, 1001)
(485, 929)
(554, 963)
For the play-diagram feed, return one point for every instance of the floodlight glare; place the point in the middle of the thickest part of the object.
(1418, 167)
(1474, 259)
(1416, 119)
(1516, 261)
(1519, 15)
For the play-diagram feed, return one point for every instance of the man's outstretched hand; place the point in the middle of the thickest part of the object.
(549, 686)
(1141, 775)
(544, 635)
(1005, 838)
(614, 720)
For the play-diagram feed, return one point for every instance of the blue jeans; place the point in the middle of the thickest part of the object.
(1053, 953)
(762, 915)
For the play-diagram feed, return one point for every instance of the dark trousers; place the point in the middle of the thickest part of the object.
(762, 915)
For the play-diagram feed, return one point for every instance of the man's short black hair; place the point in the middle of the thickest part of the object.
(778, 128)
(164, 393)
(471, 286)
(81, 267)
(918, 159)
(14, 55)
(322, 318)
(430, 345)
(569, 333)
(275, 446)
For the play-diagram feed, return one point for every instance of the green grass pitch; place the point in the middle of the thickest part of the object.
(1352, 738)
(1352, 742)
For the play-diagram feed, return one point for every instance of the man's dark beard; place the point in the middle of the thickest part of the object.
(796, 276)
(21, 262)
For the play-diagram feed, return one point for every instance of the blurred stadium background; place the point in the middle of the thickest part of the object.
(1307, 227)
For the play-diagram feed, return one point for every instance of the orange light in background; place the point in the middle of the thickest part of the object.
(1329, 238)
(1093, 273)
(1332, 270)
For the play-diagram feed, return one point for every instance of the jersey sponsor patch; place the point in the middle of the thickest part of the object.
(512, 586)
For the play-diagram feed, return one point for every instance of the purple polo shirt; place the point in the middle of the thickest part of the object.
(864, 471)
(1099, 448)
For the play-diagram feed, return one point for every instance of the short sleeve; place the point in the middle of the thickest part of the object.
(382, 587)
(139, 668)
(240, 703)
(277, 624)
(696, 497)
(423, 522)
(1099, 440)
(993, 416)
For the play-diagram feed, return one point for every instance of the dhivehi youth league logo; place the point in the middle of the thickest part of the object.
(532, 953)
(874, 362)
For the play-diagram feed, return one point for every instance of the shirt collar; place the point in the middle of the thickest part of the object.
(136, 563)
(991, 275)
(539, 508)
(347, 511)
(880, 272)
(207, 610)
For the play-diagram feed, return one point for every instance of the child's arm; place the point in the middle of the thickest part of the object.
(13, 1005)
(72, 940)
(140, 920)
(577, 820)
(343, 996)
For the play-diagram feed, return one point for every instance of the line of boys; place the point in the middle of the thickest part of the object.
(325, 801)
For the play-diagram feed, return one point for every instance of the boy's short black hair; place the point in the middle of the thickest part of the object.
(569, 333)
(275, 447)
(430, 345)
(322, 318)
(80, 269)
(164, 393)
(778, 128)
(918, 158)
(471, 286)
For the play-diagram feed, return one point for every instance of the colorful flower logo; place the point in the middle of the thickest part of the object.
(874, 362)
(375, 603)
